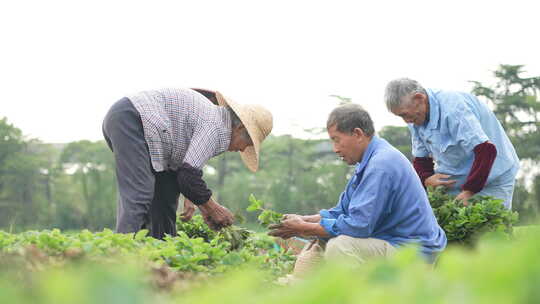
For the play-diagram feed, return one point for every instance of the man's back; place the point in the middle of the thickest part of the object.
(411, 217)
(172, 117)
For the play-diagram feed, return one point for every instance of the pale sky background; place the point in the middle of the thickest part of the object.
(63, 63)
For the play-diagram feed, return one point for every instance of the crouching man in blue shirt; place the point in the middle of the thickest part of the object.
(384, 205)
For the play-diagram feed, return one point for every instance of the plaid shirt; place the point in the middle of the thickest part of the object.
(182, 126)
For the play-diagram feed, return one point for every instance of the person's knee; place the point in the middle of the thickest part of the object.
(359, 249)
(340, 247)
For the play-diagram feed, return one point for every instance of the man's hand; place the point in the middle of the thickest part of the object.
(291, 225)
(215, 215)
(312, 218)
(437, 179)
(208, 220)
(188, 211)
(306, 218)
(464, 196)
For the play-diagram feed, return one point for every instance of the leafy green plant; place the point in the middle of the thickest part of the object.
(36, 250)
(266, 216)
(465, 224)
(196, 249)
(196, 228)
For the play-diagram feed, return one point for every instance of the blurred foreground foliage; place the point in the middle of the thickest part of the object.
(496, 271)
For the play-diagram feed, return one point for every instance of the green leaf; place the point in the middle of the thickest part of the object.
(141, 234)
(255, 204)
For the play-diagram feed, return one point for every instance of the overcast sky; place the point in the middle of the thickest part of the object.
(63, 63)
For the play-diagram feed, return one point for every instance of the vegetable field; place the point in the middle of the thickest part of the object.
(108, 268)
(236, 265)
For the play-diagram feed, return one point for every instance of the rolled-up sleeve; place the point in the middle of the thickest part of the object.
(366, 207)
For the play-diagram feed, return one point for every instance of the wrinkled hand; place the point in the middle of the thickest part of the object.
(288, 216)
(215, 215)
(291, 225)
(306, 218)
(437, 179)
(208, 220)
(464, 196)
(188, 211)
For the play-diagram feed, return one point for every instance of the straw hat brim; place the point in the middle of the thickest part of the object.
(257, 120)
(250, 156)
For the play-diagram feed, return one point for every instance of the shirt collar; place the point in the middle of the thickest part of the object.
(373, 144)
(224, 129)
(433, 110)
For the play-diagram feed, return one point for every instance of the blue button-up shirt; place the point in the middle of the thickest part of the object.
(385, 199)
(457, 123)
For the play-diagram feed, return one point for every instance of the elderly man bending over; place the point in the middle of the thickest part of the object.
(461, 135)
(161, 140)
(384, 205)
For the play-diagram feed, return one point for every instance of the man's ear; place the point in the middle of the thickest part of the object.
(419, 97)
(358, 132)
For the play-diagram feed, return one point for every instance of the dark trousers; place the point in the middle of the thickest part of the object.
(146, 199)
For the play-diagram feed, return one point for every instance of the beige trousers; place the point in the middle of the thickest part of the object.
(359, 249)
(341, 248)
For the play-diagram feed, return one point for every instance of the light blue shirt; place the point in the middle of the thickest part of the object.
(458, 122)
(385, 199)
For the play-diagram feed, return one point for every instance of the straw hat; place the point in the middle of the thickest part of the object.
(256, 119)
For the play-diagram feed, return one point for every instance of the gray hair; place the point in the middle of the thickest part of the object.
(398, 89)
(350, 116)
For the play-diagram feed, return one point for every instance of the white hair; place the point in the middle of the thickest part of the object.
(399, 88)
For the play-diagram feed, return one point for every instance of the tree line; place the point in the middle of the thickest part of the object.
(72, 186)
